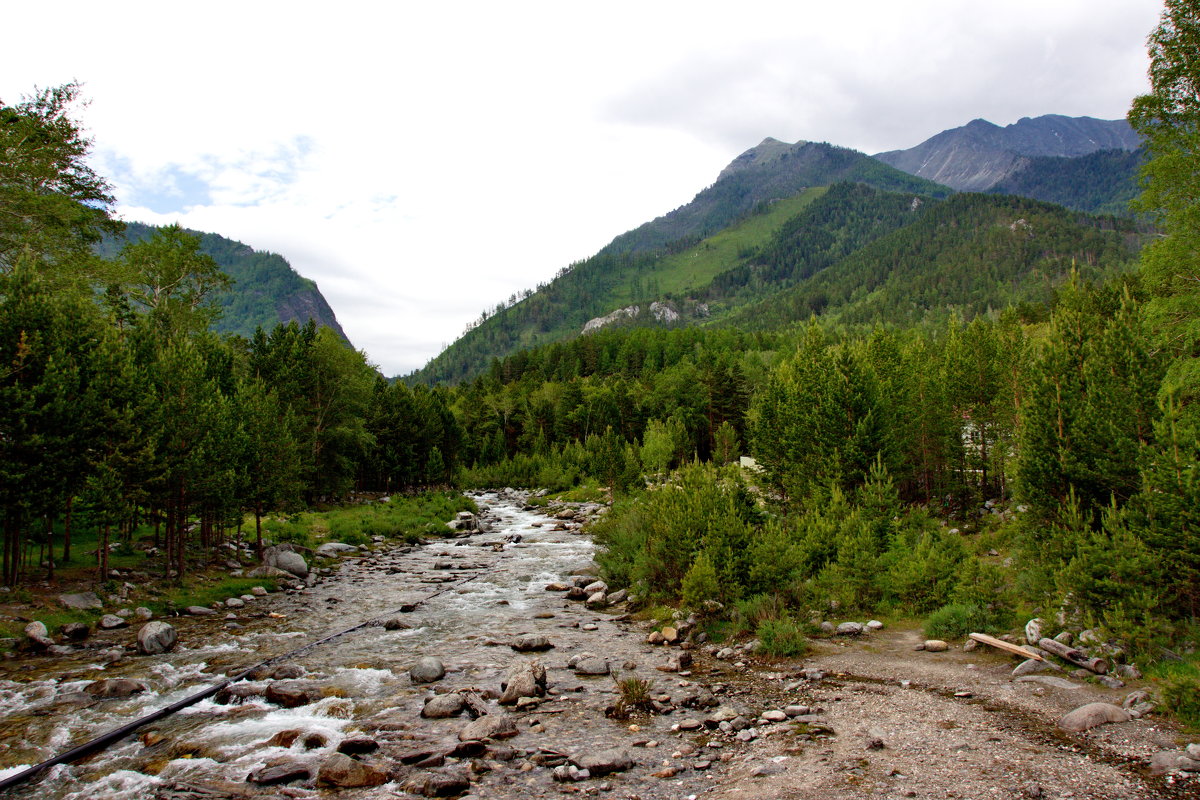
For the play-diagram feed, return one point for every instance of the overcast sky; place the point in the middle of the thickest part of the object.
(424, 161)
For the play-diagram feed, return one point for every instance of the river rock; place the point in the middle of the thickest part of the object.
(603, 762)
(235, 602)
(81, 601)
(528, 643)
(335, 549)
(591, 665)
(291, 694)
(523, 679)
(1091, 715)
(284, 771)
(199, 611)
(343, 772)
(442, 706)
(267, 571)
(597, 600)
(936, 646)
(76, 631)
(446, 782)
(115, 687)
(284, 557)
(258, 591)
(111, 622)
(143, 613)
(155, 638)
(489, 726)
(427, 670)
(357, 745)
(849, 629)
(618, 597)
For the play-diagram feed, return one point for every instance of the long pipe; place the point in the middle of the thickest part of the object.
(104, 740)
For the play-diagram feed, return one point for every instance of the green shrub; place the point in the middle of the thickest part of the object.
(1180, 695)
(955, 621)
(750, 613)
(700, 583)
(782, 637)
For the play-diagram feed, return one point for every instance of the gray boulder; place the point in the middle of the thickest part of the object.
(156, 637)
(524, 679)
(282, 556)
(591, 665)
(335, 549)
(81, 601)
(427, 670)
(603, 762)
(444, 705)
(37, 633)
(111, 622)
(849, 629)
(199, 611)
(529, 642)
(1091, 715)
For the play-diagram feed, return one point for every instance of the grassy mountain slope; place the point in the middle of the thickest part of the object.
(770, 171)
(969, 253)
(266, 290)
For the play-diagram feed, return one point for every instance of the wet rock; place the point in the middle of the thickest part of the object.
(678, 662)
(427, 670)
(849, 629)
(285, 771)
(81, 601)
(155, 638)
(238, 693)
(287, 671)
(1091, 715)
(489, 726)
(115, 687)
(523, 679)
(284, 557)
(343, 772)
(314, 740)
(558, 587)
(396, 624)
(357, 745)
(591, 665)
(439, 783)
(603, 762)
(291, 694)
(577, 593)
(285, 738)
(443, 706)
(76, 631)
(111, 622)
(529, 643)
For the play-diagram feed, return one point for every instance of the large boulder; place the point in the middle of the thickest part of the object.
(1091, 715)
(37, 633)
(284, 557)
(155, 638)
(524, 679)
(427, 670)
(603, 762)
(489, 726)
(344, 772)
(81, 601)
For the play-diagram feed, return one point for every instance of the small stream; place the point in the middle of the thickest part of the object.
(475, 594)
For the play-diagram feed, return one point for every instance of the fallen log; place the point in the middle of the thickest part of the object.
(1007, 647)
(1076, 657)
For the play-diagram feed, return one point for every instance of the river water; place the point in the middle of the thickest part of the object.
(477, 592)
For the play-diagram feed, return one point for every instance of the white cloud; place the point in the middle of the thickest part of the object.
(424, 162)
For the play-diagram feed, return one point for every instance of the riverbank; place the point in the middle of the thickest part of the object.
(859, 717)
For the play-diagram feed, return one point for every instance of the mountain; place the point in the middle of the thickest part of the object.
(266, 290)
(1103, 182)
(769, 171)
(980, 155)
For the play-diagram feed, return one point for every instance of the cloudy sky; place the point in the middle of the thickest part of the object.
(424, 161)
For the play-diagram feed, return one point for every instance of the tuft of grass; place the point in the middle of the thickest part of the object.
(1180, 697)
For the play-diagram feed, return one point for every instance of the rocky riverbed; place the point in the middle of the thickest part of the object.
(491, 670)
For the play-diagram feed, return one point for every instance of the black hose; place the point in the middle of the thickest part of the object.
(113, 736)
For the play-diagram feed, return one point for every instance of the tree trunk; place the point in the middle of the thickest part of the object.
(104, 531)
(67, 530)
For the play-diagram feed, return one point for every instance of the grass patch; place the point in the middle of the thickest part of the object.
(203, 591)
(408, 518)
(955, 621)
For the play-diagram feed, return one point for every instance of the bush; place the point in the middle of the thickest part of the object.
(700, 583)
(955, 621)
(782, 637)
(1180, 696)
(749, 614)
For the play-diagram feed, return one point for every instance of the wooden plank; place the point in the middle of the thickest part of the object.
(1007, 647)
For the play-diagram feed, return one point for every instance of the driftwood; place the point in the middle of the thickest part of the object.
(1076, 657)
(476, 707)
(1007, 647)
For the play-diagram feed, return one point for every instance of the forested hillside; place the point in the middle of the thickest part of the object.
(265, 292)
(1103, 182)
